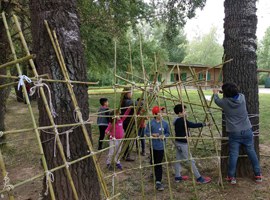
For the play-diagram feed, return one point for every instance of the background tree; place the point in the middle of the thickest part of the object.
(205, 49)
(264, 55)
(63, 17)
(105, 21)
(240, 25)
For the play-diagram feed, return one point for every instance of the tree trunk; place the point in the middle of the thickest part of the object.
(240, 26)
(62, 16)
(4, 92)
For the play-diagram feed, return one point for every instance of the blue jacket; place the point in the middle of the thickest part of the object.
(162, 128)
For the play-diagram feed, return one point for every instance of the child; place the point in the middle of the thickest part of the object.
(116, 132)
(158, 128)
(142, 126)
(102, 120)
(182, 146)
(239, 129)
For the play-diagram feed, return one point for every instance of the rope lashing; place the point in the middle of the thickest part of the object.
(67, 141)
(55, 141)
(21, 80)
(49, 177)
(1, 134)
(40, 84)
(75, 114)
(7, 186)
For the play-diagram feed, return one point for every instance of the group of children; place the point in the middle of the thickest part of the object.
(237, 125)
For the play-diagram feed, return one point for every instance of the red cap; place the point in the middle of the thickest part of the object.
(157, 109)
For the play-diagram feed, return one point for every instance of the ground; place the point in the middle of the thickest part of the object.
(22, 162)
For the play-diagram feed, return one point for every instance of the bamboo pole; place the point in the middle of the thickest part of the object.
(61, 61)
(23, 59)
(204, 102)
(50, 80)
(45, 101)
(28, 105)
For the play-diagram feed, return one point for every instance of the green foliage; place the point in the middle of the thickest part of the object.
(263, 54)
(105, 21)
(205, 50)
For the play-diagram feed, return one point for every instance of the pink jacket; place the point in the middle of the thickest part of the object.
(118, 130)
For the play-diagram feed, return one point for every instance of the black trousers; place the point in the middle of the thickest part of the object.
(125, 126)
(158, 158)
(101, 136)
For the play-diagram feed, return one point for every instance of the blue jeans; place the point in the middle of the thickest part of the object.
(245, 138)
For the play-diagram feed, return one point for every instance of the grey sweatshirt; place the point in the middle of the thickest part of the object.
(235, 112)
(102, 120)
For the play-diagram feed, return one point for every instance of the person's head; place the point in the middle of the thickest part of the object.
(157, 110)
(230, 89)
(179, 109)
(104, 101)
(128, 93)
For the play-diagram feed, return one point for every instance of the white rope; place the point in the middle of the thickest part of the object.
(67, 141)
(55, 140)
(1, 134)
(67, 164)
(49, 177)
(7, 186)
(21, 80)
(40, 84)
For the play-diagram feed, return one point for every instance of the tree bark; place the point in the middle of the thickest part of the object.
(240, 26)
(62, 16)
(4, 92)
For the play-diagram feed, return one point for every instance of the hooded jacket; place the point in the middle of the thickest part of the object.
(235, 112)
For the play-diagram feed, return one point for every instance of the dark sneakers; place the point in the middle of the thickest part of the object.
(181, 178)
(203, 180)
(119, 166)
(159, 186)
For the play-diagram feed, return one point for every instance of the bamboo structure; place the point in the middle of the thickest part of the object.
(153, 93)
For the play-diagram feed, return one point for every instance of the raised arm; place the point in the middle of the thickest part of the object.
(194, 125)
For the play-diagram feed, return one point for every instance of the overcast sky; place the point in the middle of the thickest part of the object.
(213, 15)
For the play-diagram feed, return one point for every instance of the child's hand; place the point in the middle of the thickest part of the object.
(162, 137)
(155, 134)
(215, 90)
(207, 124)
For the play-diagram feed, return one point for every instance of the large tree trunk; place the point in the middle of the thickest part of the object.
(62, 16)
(240, 25)
(4, 92)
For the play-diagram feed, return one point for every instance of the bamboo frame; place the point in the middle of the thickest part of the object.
(150, 97)
(28, 104)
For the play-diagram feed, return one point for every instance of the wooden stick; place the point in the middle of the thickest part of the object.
(11, 63)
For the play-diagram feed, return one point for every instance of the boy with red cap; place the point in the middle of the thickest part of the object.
(158, 128)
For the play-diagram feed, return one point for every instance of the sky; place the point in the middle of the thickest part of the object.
(213, 15)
